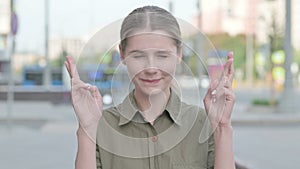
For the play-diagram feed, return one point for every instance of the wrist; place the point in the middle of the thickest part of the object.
(87, 133)
(223, 128)
(80, 131)
(226, 125)
(221, 125)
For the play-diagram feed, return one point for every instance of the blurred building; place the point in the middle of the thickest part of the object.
(25, 59)
(5, 13)
(271, 15)
(21, 60)
(228, 16)
(71, 46)
(296, 24)
(247, 17)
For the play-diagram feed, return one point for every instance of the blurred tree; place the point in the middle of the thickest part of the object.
(59, 61)
(297, 56)
(237, 44)
(193, 63)
(275, 34)
(88, 59)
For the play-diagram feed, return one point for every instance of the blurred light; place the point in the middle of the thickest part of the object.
(278, 73)
(260, 59)
(294, 68)
(42, 63)
(205, 83)
(278, 57)
(107, 99)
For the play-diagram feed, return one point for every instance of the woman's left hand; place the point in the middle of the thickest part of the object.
(219, 99)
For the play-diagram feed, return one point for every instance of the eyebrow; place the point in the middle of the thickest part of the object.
(164, 52)
(135, 51)
(158, 52)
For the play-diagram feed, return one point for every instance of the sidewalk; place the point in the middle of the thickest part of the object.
(247, 114)
(39, 112)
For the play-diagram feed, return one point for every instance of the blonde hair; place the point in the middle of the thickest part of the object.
(151, 18)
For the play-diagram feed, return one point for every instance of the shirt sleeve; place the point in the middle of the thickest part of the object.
(98, 159)
(211, 153)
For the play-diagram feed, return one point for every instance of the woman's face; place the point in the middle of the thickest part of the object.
(151, 59)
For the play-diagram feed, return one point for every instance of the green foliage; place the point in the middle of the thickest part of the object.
(275, 33)
(96, 58)
(59, 61)
(193, 63)
(264, 102)
(237, 44)
(297, 56)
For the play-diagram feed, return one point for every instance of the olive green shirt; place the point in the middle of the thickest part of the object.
(126, 141)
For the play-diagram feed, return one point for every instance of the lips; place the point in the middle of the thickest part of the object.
(150, 81)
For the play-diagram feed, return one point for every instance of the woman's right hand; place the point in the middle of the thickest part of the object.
(86, 101)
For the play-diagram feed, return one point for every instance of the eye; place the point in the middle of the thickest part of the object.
(138, 56)
(163, 56)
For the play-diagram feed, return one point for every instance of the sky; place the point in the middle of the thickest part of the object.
(76, 18)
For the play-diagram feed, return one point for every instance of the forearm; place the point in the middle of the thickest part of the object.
(224, 156)
(86, 153)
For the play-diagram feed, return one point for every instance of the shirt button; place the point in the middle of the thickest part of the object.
(154, 138)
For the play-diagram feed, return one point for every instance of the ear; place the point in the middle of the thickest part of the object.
(179, 54)
(122, 54)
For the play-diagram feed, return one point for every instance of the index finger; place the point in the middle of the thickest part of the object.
(72, 66)
(227, 75)
(229, 68)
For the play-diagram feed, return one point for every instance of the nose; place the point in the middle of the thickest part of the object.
(151, 67)
(151, 71)
(150, 62)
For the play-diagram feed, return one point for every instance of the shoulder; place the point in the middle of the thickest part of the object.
(111, 115)
(195, 111)
(190, 108)
(111, 111)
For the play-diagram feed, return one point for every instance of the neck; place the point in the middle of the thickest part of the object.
(153, 105)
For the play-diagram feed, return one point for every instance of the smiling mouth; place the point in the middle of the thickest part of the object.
(151, 81)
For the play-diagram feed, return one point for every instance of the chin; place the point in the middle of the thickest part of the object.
(151, 90)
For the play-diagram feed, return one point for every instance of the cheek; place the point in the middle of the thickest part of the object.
(133, 69)
(169, 67)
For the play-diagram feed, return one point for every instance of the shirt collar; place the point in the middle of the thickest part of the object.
(128, 108)
(174, 106)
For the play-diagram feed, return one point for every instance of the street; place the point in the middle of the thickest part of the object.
(268, 147)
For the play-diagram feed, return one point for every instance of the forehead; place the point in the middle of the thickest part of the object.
(145, 40)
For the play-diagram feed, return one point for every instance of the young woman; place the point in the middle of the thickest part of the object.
(152, 127)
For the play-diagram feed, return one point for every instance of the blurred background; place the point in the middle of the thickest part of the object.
(37, 122)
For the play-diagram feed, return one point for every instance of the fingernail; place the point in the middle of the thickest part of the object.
(226, 79)
(230, 55)
(214, 92)
(88, 86)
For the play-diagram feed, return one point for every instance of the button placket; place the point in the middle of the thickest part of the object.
(152, 145)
